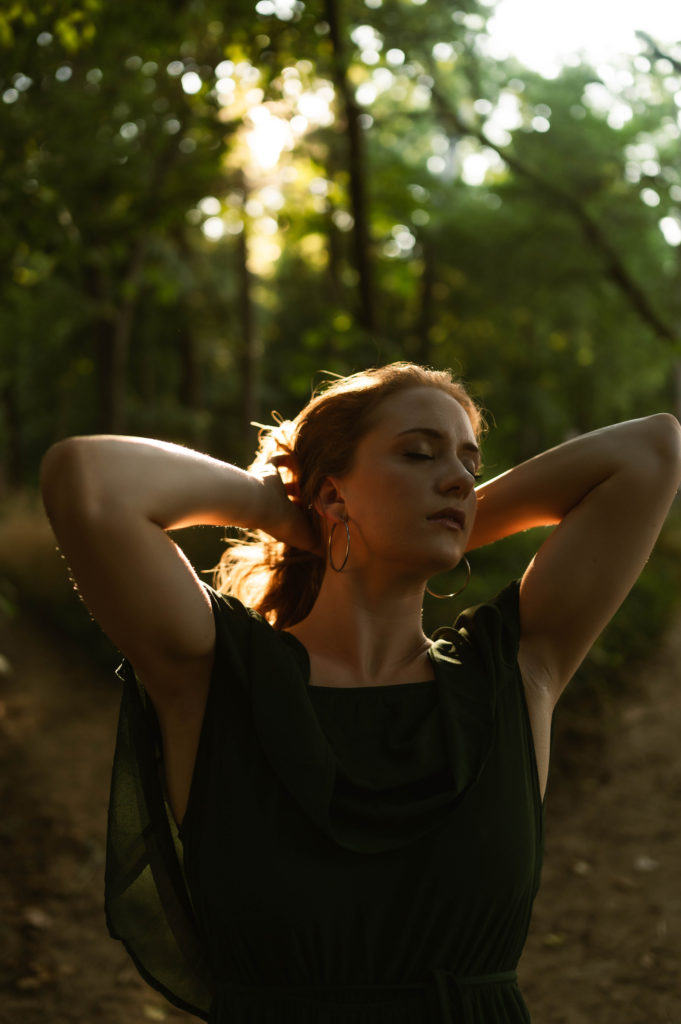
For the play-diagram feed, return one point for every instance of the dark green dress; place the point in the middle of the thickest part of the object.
(348, 856)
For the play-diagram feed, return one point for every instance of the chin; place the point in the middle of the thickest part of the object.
(443, 565)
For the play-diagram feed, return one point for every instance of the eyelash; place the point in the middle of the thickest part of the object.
(422, 455)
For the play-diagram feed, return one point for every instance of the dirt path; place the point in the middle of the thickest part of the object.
(58, 965)
(605, 945)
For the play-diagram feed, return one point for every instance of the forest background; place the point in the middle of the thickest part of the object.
(205, 205)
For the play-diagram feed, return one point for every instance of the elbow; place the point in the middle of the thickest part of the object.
(65, 480)
(667, 434)
(663, 435)
(55, 467)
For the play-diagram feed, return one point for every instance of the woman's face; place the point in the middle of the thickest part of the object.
(409, 496)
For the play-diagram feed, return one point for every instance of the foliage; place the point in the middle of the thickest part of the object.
(202, 206)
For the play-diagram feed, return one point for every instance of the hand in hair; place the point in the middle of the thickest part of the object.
(283, 516)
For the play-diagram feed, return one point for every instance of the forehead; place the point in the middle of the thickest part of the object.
(423, 407)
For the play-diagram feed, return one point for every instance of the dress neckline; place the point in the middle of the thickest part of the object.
(304, 657)
(376, 686)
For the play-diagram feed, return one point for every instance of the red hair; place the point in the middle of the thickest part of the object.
(277, 580)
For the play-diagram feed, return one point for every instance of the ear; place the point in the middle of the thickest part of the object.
(330, 503)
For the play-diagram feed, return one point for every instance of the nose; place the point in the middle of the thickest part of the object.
(456, 480)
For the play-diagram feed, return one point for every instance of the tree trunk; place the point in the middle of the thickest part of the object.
(356, 168)
(13, 474)
(113, 341)
(425, 313)
(334, 250)
(112, 361)
(190, 364)
(190, 379)
(249, 354)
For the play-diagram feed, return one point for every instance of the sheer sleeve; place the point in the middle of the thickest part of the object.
(147, 900)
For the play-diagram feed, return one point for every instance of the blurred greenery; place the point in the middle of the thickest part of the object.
(202, 206)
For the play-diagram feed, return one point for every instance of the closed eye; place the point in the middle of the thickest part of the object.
(422, 455)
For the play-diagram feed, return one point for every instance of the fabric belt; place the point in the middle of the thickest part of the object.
(443, 990)
(446, 992)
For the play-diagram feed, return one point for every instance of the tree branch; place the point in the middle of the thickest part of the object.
(656, 52)
(614, 265)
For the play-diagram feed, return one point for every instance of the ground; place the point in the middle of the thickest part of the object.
(605, 942)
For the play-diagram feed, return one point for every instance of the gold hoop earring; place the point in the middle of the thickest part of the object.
(468, 576)
(347, 546)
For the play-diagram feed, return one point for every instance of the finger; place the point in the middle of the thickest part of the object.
(285, 459)
(292, 488)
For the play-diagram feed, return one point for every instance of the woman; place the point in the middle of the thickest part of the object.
(360, 808)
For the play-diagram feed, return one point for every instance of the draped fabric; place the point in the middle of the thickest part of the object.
(348, 855)
(147, 903)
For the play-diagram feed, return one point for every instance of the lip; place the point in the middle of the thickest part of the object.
(453, 518)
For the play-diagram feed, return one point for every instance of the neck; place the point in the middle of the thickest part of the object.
(365, 634)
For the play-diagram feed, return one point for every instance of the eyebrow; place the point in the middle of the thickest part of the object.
(430, 432)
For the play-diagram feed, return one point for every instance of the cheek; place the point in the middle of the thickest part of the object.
(382, 506)
(398, 497)
(381, 495)
(378, 485)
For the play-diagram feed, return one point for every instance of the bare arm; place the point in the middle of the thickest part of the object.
(110, 500)
(609, 492)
